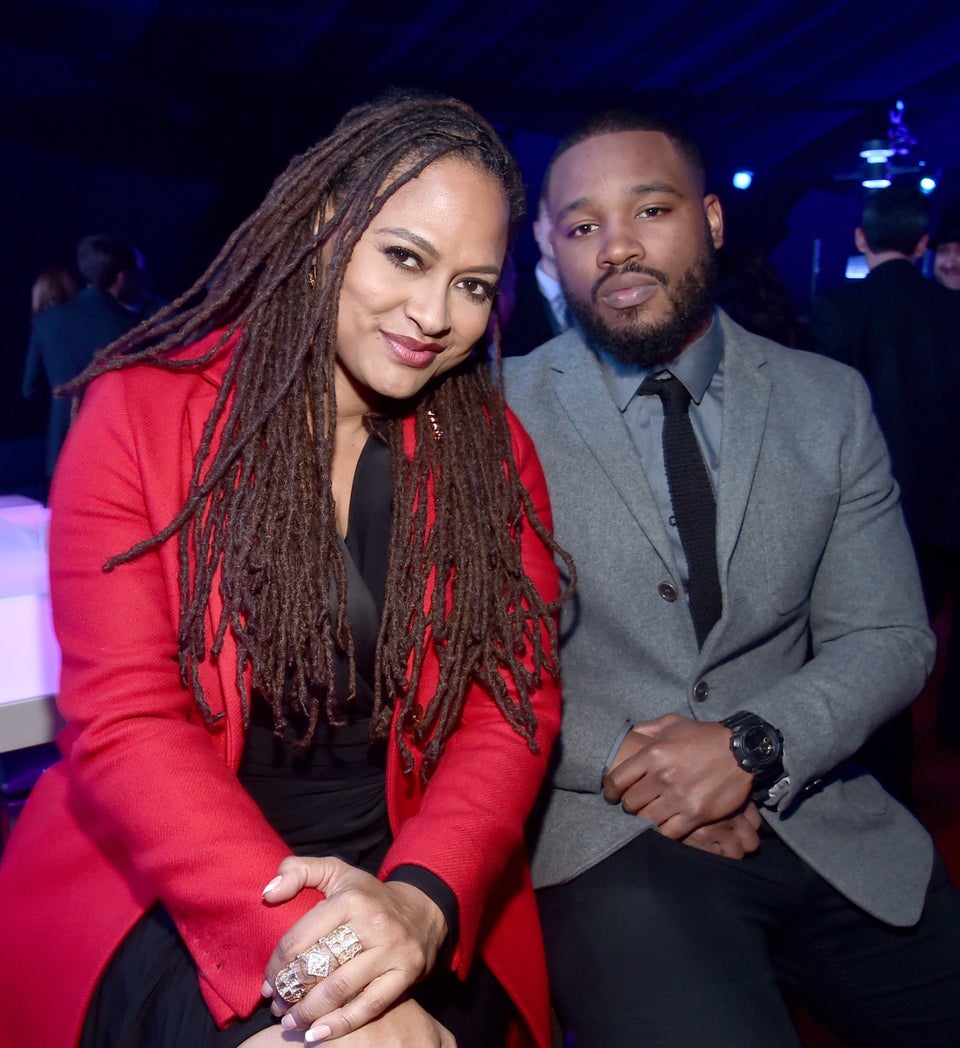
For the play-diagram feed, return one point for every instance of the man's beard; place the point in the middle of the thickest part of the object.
(648, 345)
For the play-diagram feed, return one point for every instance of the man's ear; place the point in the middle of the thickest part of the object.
(860, 239)
(714, 212)
(920, 250)
(542, 231)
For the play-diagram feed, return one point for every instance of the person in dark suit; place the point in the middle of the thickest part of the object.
(64, 338)
(705, 841)
(901, 332)
(537, 311)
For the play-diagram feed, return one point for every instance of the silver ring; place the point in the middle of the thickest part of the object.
(295, 979)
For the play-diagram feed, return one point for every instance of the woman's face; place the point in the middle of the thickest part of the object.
(418, 288)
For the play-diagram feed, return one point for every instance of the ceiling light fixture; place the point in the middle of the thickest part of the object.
(876, 151)
(877, 176)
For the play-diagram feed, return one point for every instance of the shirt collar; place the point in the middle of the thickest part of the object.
(549, 286)
(695, 368)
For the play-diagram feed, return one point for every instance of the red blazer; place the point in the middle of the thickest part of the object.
(146, 805)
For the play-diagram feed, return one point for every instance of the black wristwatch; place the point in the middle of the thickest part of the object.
(757, 746)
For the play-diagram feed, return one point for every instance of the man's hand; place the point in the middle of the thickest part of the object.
(732, 838)
(678, 773)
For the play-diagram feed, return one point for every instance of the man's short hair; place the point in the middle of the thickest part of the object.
(895, 218)
(100, 258)
(614, 121)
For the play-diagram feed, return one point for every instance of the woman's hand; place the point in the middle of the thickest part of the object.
(400, 928)
(405, 1025)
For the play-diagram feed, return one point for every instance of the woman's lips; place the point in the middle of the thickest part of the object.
(628, 290)
(411, 351)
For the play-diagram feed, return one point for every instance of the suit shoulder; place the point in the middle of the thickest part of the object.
(518, 368)
(801, 369)
(533, 368)
(56, 317)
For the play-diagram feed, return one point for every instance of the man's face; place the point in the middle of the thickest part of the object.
(634, 240)
(946, 265)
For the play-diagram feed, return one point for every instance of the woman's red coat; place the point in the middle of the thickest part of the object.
(146, 805)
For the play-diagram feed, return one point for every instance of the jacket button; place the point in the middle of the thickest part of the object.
(701, 690)
(667, 591)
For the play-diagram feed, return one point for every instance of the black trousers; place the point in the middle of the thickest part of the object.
(665, 946)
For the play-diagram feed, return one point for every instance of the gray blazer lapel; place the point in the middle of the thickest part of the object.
(585, 398)
(746, 400)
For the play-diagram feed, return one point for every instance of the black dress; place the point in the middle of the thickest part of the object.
(330, 800)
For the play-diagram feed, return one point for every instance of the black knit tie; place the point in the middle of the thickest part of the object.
(694, 506)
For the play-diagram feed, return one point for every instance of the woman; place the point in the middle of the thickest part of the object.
(269, 645)
(53, 286)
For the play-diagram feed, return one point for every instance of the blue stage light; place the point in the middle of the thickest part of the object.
(743, 179)
(927, 184)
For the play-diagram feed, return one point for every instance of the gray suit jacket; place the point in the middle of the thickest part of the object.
(823, 631)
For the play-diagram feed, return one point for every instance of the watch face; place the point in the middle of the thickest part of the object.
(760, 745)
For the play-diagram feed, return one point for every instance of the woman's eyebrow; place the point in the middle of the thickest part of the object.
(414, 238)
(428, 248)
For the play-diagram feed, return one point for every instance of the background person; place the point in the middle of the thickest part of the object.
(946, 250)
(900, 331)
(325, 626)
(64, 339)
(52, 287)
(537, 311)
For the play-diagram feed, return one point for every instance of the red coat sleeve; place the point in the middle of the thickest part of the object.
(155, 777)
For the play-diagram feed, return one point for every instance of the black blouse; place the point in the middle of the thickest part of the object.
(331, 799)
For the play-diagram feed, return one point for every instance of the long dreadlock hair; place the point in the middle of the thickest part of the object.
(260, 508)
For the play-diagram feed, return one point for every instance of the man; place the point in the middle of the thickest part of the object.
(538, 310)
(64, 339)
(946, 251)
(901, 332)
(684, 723)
